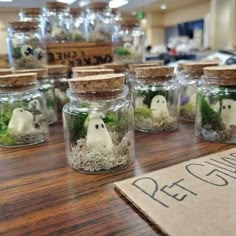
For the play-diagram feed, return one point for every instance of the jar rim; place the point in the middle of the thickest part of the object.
(24, 25)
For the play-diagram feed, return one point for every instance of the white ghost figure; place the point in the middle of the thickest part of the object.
(97, 134)
(21, 121)
(56, 31)
(228, 112)
(159, 106)
(34, 105)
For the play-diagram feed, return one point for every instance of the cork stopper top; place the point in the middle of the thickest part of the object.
(5, 71)
(24, 25)
(84, 72)
(97, 83)
(57, 69)
(87, 67)
(75, 11)
(196, 68)
(129, 23)
(157, 73)
(16, 80)
(117, 67)
(32, 11)
(132, 67)
(41, 73)
(56, 6)
(98, 6)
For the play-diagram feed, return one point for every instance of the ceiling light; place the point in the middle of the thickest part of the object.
(117, 3)
(66, 1)
(163, 6)
(5, 0)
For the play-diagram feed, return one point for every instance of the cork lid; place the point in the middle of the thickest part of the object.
(32, 11)
(117, 67)
(24, 25)
(129, 23)
(57, 69)
(15, 80)
(75, 11)
(97, 83)
(157, 73)
(227, 74)
(196, 68)
(56, 5)
(5, 71)
(132, 67)
(84, 72)
(99, 6)
(41, 73)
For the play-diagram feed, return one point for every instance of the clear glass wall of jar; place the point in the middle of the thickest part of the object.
(22, 120)
(78, 24)
(98, 124)
(98, 23)
(156, 97)
(58, 22)
(26, 47)
(128, 43)
(47, 88)
(216, 105)
(190, 81)
(58, 76)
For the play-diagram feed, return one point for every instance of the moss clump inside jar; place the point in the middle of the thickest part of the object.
(216, 105)
(98, 124)
(26, 48)
(22, 121)
(190, 82)
(155, 99)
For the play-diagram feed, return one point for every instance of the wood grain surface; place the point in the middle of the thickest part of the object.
(40, 195)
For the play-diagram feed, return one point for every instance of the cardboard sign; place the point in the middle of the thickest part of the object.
(79, 54)
(194, 198)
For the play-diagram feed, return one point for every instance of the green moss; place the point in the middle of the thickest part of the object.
(8, 138)
(188, 107)
(50, 103)
(78, 37)
(16, 53)
(122, 52)
(142, 112)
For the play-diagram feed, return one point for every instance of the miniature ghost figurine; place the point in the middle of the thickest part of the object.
(228, 112)
(21, 121)
(159, 106)
(34, 105)
(26, 50)
(97, 134)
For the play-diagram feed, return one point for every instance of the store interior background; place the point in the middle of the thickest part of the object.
(212, 23)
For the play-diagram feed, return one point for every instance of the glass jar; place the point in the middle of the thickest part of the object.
(98, 124)
(58, 22)
(58, 76)
(190, 81)
(47, 89)
(216, 105)
(78, 25)
(26, 47)
(22, 106)
(128, 43)
(156, 97)
(98, 23)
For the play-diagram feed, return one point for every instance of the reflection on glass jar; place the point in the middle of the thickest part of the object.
(99, 26)
(98, 124)
(216, 105)
(58, 22)
(156, 96)
(26, 48)
(57, 75)
(22, 106)
(190, 82)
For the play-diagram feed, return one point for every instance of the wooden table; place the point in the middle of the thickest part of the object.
(40, 195)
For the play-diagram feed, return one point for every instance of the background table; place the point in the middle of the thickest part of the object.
(40, 195)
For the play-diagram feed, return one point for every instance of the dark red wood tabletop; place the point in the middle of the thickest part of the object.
(40, 195)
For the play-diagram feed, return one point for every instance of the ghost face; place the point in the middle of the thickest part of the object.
(159, 106)
(228, 112)
(98, 136)
(34, 105)
(26, 51)
(21, 121)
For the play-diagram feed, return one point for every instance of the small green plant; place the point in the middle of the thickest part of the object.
(188, 107)
(8, 138)
(142, 112)
(122, 52)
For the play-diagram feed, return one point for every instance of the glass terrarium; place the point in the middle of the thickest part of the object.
(156, 96)
(98, 23)
(26, 47)
(22, 106)
(58, 76)
(58, 22)
(78, 25)
(190, 82)
(98, 124)
(216, 105)
(47, 89)
(128, 43)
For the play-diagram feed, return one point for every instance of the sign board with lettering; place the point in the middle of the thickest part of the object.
(79, 54)
(196, 198)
